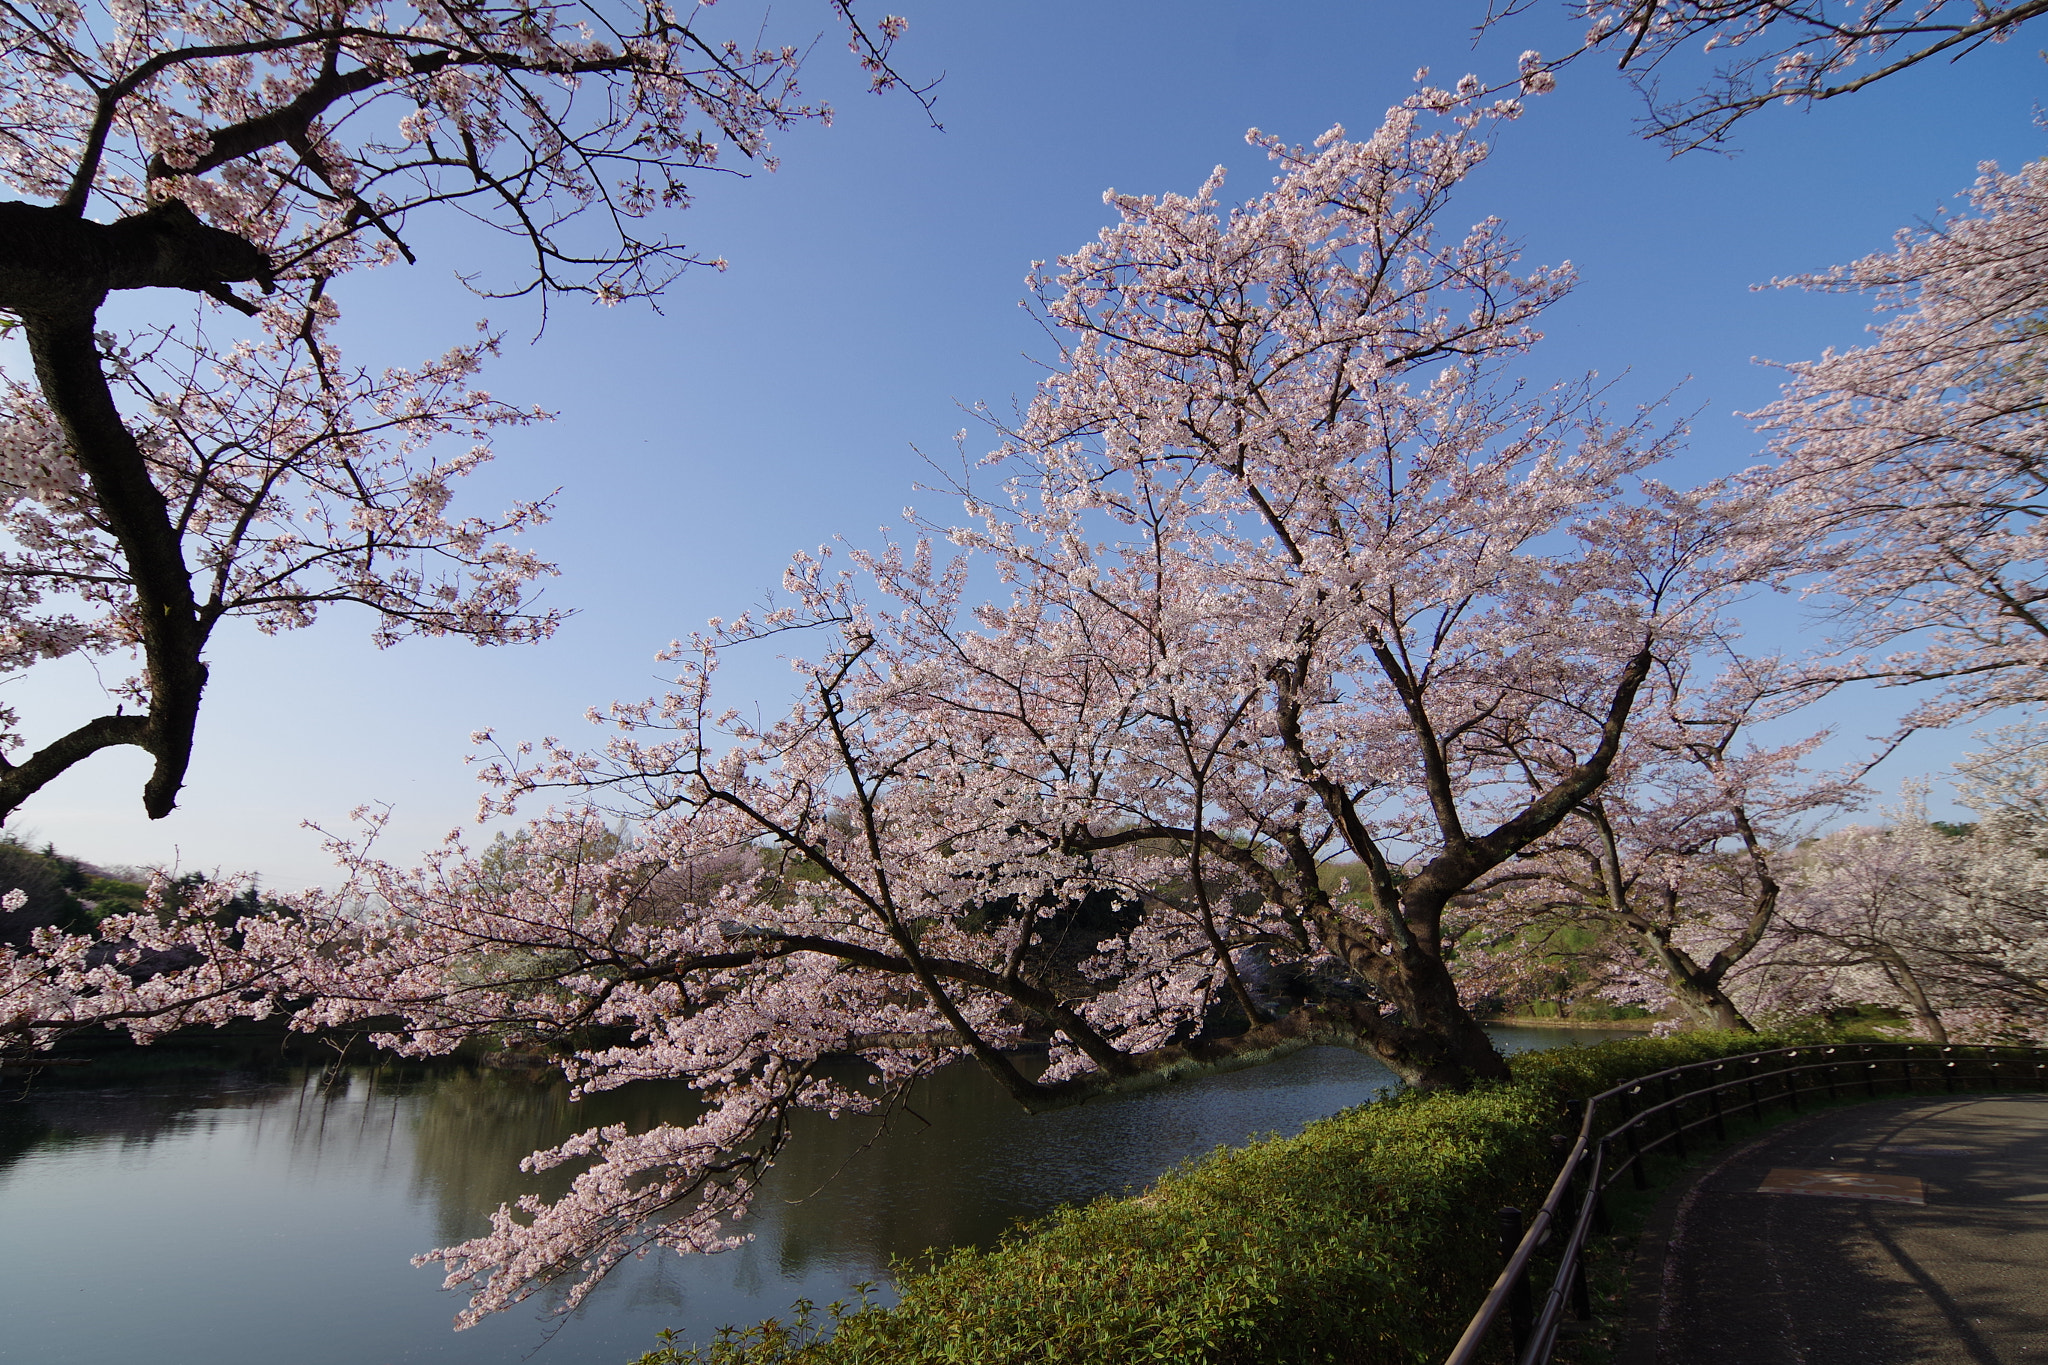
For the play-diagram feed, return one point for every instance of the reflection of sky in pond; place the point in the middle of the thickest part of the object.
(237, 1223)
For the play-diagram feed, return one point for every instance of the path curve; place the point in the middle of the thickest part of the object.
(1804, 1248)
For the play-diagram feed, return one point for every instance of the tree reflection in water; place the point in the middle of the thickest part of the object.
(216, 1219)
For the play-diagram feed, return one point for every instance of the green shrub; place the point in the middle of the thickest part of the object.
(1368, 1238)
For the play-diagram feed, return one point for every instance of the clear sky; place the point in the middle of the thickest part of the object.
(873, 290)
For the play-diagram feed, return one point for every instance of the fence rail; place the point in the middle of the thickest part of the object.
(1623, 1127)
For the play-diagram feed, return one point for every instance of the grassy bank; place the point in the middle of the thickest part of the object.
(1370, 1237)
(1628, 1025)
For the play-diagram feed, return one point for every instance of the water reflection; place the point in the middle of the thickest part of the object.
(231, 1220)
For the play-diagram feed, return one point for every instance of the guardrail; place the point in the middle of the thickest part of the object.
(1655, 1113)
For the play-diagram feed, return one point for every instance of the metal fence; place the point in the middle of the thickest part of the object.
(1625, 1126)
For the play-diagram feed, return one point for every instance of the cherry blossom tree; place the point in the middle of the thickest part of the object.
(1920, 456)
(1946, 924)
(157, 481)
(1765, 52)
(1297, 577)
(1680, 856)
(1338, 609)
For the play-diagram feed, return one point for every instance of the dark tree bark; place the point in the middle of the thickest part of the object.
(1437, 1043)
(56, 269)
(1695, 986)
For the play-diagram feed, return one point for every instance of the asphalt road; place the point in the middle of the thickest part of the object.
(1804, 1248)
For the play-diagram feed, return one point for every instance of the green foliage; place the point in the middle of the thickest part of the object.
(112, 896)
(772, 1340)
(1602, 1009)
(1368, 1238)
(63, 892)
(1847, 1024)
(1573, 1074)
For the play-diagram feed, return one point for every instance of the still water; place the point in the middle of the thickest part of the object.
(223, 1221)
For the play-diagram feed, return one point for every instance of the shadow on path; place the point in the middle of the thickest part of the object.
(1753, 1278)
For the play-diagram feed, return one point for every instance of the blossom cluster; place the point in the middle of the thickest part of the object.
(1920, 455)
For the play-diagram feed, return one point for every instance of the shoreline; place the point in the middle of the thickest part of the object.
(1544, 1021)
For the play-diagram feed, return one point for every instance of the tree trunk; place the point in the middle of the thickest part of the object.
(1709, 1008)
(1924, 1013)
(166, 618)
(1697, 993)
(56, 269)
(1431, 1040)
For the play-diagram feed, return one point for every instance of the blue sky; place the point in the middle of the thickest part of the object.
(873, 291)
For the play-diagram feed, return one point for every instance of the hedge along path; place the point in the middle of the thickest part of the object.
(1368, 1238)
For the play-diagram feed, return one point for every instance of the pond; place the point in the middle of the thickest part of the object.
(241, 1221)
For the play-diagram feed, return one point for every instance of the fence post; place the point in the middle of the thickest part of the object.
(1675, 1116)
(1518, 1293)
(1714, 1103)
(1582, 1306)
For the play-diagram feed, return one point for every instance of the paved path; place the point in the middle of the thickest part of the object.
(1738, 1276)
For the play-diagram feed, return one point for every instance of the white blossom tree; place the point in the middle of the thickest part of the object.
(1947, 924)
(2007, 778)
(189, 956)
(231, 463)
